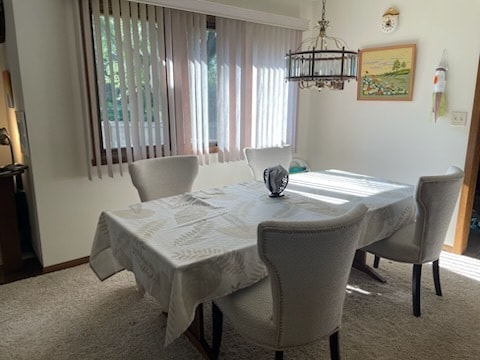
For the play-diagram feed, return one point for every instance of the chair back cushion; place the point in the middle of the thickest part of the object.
(161, 177)
(261, 158)
(436, 198)
(309, 264)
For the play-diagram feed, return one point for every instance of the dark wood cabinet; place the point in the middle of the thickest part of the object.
(10, 238)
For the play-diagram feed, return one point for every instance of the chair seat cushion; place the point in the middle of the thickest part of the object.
(250, 309)
(399, 246)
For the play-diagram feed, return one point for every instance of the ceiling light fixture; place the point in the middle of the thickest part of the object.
(319, 67)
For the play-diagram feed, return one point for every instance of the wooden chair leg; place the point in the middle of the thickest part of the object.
(217, 328)
(334, 346)
(376, 261)
(416, 280)
(436, 278)
(278, 355)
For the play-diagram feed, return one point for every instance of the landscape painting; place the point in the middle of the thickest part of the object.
(386, 73)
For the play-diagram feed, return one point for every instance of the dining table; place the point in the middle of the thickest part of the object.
(188, 249)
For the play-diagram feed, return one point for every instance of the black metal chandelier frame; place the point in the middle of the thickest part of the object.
(321, 67)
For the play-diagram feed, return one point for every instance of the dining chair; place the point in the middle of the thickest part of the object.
(301, 299)
(421, 241)
(166, 176)
(258, 159)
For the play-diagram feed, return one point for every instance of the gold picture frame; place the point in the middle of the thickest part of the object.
(386, 73)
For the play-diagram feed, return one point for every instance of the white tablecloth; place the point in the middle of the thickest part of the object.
(194, 247)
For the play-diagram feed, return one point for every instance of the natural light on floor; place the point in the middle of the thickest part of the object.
(460, 264)
(352, 289)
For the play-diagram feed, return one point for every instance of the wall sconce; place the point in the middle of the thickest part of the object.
(5, 140)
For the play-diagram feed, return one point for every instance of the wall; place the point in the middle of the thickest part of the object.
(41, 55)
(396, 139)
(279, 7)
(4, 150)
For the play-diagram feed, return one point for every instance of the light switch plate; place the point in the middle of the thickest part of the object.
(459, 118)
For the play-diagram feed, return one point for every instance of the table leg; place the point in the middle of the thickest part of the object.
(196, 335)
(360, 263)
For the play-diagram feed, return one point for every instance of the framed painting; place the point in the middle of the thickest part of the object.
(386, 73)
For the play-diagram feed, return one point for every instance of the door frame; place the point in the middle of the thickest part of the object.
(472, 162)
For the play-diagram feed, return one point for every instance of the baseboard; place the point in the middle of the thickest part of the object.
(32, 267)
(66, 265)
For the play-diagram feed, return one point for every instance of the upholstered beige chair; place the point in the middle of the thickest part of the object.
(258, 159)
(421, 241)
(302, 298)
(161, 177)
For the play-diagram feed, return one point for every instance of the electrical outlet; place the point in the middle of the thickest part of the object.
(459, 118)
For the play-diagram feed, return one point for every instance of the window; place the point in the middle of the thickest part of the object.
(212, 80)
(164, 82)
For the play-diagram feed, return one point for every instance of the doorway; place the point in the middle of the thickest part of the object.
(473, 243)
(469, 188)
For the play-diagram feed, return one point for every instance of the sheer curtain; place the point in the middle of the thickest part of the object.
(256, 107)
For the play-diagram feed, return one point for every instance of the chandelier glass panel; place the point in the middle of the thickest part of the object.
(315, 65)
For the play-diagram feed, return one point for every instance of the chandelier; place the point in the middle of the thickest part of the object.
(319, 67)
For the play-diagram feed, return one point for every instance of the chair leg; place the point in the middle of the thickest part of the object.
(217, 328)
(376, 261)
(436, 278)
(416, 280)
(334, 346)
(278, 355)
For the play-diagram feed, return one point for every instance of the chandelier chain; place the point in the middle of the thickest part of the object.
(324, 2)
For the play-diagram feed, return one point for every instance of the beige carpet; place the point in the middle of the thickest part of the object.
(71, 315)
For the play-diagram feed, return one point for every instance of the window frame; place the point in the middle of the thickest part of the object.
(213, 145)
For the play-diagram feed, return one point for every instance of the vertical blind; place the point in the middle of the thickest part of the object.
(256, 106)
(148, 76)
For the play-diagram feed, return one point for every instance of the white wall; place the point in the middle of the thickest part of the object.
(279, 7)
(396, 140)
